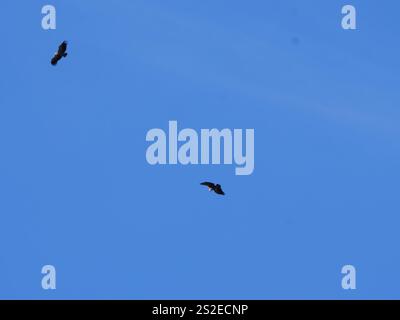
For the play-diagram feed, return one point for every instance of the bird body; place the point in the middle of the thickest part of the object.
(61, 53)
(213, 187)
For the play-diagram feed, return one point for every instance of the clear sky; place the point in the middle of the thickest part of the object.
(76, 191)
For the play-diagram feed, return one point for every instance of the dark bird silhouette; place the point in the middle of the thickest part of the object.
(61, 53)
(213, 187)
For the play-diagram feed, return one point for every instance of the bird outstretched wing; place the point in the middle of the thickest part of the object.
(62, 48)
(55, 59)
(208, 184)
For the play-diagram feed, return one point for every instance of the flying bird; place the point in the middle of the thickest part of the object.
(213, 187)
(61, 53)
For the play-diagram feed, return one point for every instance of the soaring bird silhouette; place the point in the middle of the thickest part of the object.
(61, 53)
(213, 187)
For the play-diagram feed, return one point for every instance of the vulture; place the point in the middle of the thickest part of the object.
(60, 53)
(213, 187)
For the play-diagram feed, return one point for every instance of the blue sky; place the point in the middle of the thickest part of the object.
(77, 192)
